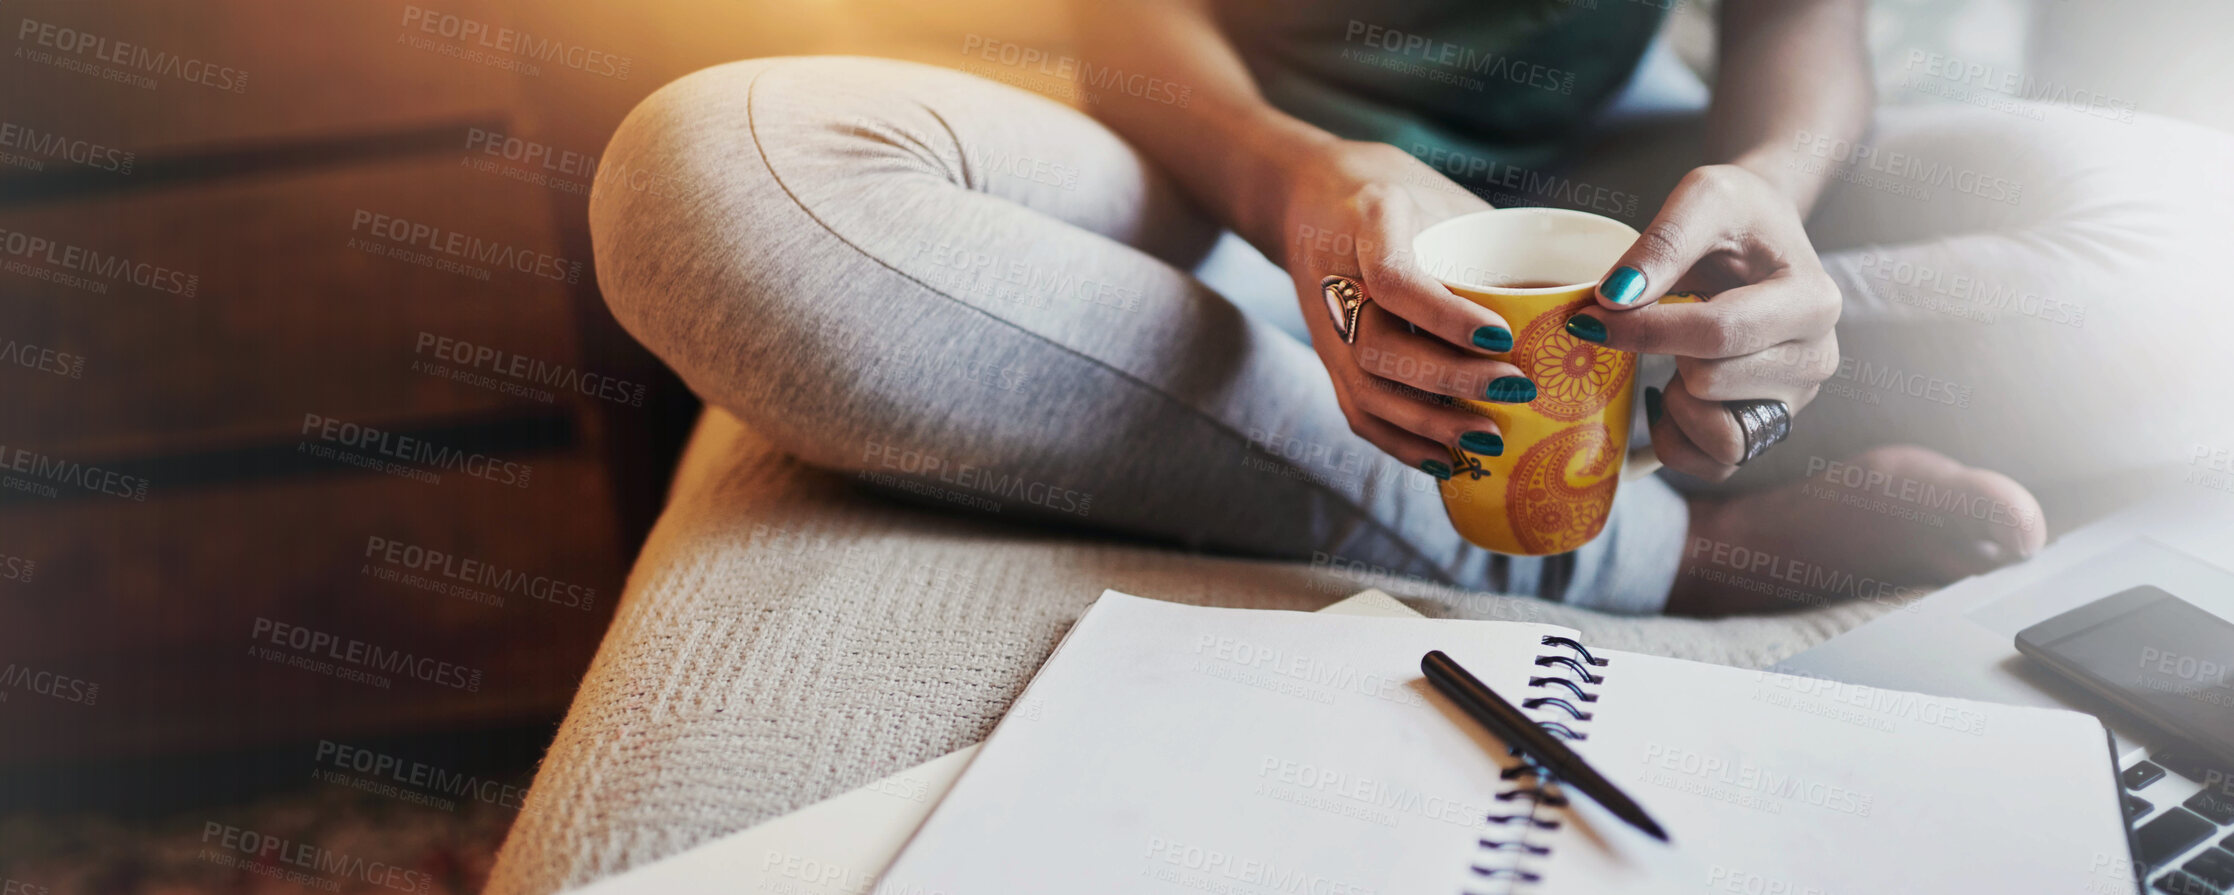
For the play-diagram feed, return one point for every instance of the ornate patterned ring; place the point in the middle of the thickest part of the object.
(1345, 302)
(1764, 422)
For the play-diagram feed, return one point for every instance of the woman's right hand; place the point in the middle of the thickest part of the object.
(1351, 210)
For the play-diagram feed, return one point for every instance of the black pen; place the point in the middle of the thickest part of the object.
(1518, 730)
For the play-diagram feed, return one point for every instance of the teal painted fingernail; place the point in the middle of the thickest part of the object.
(1624, 286)
(1510, 390)
(1652, 406)
(1493, 338)
(1587, 328)
(1487, 444)
(1437, 468)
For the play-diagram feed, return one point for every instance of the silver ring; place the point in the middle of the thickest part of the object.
(1345, 301)
(1764, 422)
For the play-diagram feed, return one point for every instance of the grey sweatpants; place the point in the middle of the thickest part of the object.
(971, 296)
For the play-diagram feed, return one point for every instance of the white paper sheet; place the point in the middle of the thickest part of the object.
(1773, 783)
(1182, 749)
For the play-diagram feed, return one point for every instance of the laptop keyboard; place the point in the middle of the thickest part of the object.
(2181, 808)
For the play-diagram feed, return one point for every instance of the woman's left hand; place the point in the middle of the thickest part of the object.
(1765, 330)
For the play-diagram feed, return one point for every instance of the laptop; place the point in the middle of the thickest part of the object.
(1960, 642)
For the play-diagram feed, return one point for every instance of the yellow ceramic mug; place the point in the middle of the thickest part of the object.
(1552, 488)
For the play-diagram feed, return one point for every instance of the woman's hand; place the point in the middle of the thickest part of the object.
(1764, 332)
(1351, 210)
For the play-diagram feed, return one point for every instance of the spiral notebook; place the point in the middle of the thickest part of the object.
(1172, 748)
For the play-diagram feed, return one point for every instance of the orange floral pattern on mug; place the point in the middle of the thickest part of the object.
(1574, 379)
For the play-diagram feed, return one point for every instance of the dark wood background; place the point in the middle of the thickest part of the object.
(344, 108)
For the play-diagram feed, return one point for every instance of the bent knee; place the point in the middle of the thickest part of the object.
(673, 186)
(711, 184)
(709, 255)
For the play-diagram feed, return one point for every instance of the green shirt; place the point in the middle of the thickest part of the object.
(1479, 90)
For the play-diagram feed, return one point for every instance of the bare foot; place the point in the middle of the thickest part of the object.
(1881, 525)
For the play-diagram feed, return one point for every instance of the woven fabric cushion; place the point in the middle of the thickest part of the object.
(786, 637)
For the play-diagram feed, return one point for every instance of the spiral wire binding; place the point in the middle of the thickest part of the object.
(1558, 712)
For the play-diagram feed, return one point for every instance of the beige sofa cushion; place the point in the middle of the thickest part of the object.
(785, 637)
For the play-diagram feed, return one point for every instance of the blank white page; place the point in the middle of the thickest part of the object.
(1180, 749)
(1770, 783)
